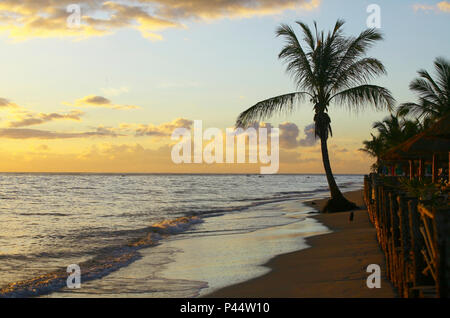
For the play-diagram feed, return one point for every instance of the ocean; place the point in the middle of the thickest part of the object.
(150, 235)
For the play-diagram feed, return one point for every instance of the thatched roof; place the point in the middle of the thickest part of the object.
(436, 139)
(441, 128)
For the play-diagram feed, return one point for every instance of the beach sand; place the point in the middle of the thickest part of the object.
(335, 265)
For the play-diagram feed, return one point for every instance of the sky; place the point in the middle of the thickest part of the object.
(105, 96)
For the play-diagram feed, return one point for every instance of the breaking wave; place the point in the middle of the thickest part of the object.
(100, 265)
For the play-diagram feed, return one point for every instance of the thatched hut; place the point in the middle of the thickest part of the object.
(430, 148)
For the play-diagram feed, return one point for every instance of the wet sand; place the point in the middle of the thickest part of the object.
(334, 266)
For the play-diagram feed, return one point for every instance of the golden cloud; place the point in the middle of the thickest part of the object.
(443, 6)
(14, 130)
(100, 101)
(162, 130)
(23, 19)
(25, 133)
(207, 9)
(29, 119)
(6, 103)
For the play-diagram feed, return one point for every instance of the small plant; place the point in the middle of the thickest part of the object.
(423, 190)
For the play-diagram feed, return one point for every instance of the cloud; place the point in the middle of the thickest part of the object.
(211, 10)
(25, 133)
(23, 19)
(30, 119)
(310, 136)
(162, 130)
(255, 126)
(99, 101)
(6, 103)
(443, 6)
(15, 130)
(289, 136)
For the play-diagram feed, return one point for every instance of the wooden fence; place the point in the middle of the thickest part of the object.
(414, 238)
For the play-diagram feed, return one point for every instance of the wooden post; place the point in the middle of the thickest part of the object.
(395, 240)
(442, 241)
(421, 169)
(377, 208)
(381, 218)
(385, 220)
(411, 169)
(387, 237)
(405, 244)
(434, 168)
(417, 244)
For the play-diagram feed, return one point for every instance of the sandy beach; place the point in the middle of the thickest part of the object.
(334, 266)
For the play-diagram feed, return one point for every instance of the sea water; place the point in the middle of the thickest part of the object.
(150, 235)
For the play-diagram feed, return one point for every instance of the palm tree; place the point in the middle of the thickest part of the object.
(391, 131)
(326, 69)
(434, 94)
(374, 148)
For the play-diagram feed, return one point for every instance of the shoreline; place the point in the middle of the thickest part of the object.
(333, 267)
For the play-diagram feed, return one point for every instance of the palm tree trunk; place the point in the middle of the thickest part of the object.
(337, 203)
(334, 189)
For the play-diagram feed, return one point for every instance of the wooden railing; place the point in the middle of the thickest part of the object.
(414, 238)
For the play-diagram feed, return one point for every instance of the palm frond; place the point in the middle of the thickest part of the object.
(266, 108)
(296, 59)
(308, 37)
(433, 93)
(435, 87)
(424, 90)
(360, 72)
(406, 109)
(355, 48)
(356, 97)
(442, 67)
(422, 110)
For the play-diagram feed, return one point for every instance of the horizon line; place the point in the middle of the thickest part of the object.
(174, 173)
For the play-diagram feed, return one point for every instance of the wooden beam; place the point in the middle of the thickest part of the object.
(421, 168)
(434, 168)
(411, 169)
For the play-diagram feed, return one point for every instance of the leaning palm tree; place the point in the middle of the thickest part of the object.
(327, 69)
(433, 93)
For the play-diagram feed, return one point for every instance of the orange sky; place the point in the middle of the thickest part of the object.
(107, 95)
